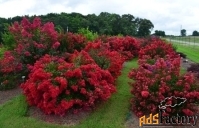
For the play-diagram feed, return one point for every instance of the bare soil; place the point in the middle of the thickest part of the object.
(9, 94)
(185, 64)
(70, 119)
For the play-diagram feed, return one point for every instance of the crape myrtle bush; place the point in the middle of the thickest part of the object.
(127, 46)
(160, 78)
(69, 42)
(55, 86)
(34, 39)
(106, 59)
(103, 38)
(146, 41)
(157, 48)
(10, 68)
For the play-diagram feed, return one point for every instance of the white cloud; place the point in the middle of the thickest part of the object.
(12, 8)
(167, 15)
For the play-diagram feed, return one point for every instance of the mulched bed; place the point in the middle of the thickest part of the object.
(9, 94)
(185, 64)
(70, 119)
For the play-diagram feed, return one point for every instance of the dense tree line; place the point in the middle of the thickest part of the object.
(159, 33)
(104, 23)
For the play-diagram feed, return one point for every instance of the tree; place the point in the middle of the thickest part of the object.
(195, 33)
(104, 19)
(144, 27)
(93, 22)
(183, 32)
(159, 33)
(128, 26)
(104, 23)
(3, 21)
(8, 38)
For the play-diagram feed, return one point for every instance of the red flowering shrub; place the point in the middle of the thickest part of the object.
(158, 77)
(10, 68)
(153, 83)
(147, 41)
(157, 48)
(126, 46)
(102, 38)
(106, 59)
(34, 39)
(81, 58)
(55, 86)
(70, 42)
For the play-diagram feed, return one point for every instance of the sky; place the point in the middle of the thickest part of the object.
(166, 15)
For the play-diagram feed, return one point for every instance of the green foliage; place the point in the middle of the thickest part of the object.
(175, 47)
(90, 36)
(144, 28)
(8, 39)
(2, 50)
(120, 35)
(159, 33)
(195, 33)
(104, 24)
(59, 29)
(102, 61)
(8, 81)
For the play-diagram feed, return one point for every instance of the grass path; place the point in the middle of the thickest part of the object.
(111, 114)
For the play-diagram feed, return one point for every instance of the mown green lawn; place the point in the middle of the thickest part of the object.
(111, 114)
(192, 52)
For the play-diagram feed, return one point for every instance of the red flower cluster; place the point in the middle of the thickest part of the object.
(34, 39)
(106, 59)
(10, 68)
(160, 79)
(126, 46)
(70, 42)
(81, 58)
(9, 64)
(56, 86)
(157, 48)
